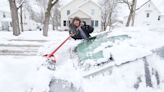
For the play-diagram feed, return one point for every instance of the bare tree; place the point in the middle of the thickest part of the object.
(21, 2)
(14, 16)
(131, 16)
(32, 12)
(108, 8)
(132, 7)
(43, 6)
(55, 17)
(51, 3)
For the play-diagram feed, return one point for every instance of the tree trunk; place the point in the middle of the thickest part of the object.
(47, 16)
(134, 12)
(53, 23)
(46, 23)
(110, 18)
(14, 16)
(129, 18)
(131, 13)
(21, 18)
(104, 27)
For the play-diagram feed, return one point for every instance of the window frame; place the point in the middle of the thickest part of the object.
(68, 12)
(159, 18)
(96, 23)
(147, 15)
(64, 23)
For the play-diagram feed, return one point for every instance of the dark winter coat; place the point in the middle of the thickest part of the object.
(87, 29)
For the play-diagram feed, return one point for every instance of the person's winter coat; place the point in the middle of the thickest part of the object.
(81, 33)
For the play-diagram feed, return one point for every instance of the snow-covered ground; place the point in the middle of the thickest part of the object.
(25, 73)
(20, 73)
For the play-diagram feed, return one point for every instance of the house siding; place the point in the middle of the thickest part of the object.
(142, 19)
(4, 19)
(97, 14)
(89, 8)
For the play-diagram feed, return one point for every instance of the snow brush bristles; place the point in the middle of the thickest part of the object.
(51, 61)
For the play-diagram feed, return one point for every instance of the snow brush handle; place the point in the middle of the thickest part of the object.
(52, 53)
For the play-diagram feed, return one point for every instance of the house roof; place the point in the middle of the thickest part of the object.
(67, 4)
(83, 15)
(85, 1)
(159, 5)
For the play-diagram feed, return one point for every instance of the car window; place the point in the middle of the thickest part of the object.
(86, 49)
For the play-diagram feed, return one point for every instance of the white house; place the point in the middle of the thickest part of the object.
(151, 14)
(5, 17)
(5, 20)
(87, 10)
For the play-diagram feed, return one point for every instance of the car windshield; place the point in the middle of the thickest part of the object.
(92, 49)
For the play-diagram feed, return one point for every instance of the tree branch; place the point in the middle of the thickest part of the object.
(126, 2)
(54, 2)
(143, 5)
(20, 5)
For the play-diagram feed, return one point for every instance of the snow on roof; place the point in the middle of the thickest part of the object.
(159, 5)
(85, 1)
(79, 10)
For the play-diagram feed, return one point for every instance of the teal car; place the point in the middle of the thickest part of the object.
(92, 50)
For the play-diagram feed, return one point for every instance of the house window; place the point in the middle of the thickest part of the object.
(4, 15)
(148, 5)
(68, 12)
(148, 15)
(96, 23)
(159, 18)
(92, 23)
(92, 11)
(64, 23)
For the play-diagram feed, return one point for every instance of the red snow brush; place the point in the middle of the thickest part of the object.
(51, 58)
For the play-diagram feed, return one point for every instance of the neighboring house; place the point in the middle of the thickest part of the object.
(87, 10)
(5, 17)
(151, 14)
(5, 20)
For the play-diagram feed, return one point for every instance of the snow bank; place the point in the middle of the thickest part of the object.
(20, 74)
(24, 74)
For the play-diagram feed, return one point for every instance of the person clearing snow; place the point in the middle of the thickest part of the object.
(77, 30)
(80, 29)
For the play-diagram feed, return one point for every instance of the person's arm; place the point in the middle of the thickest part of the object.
(91, 29)
(73, 31)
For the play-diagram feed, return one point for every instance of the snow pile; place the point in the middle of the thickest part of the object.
(125, 78)
(24, 74)
(21, 74)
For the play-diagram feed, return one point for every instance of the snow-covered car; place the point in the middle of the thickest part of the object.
(131, 53)
(123, 60)
(110, 46)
